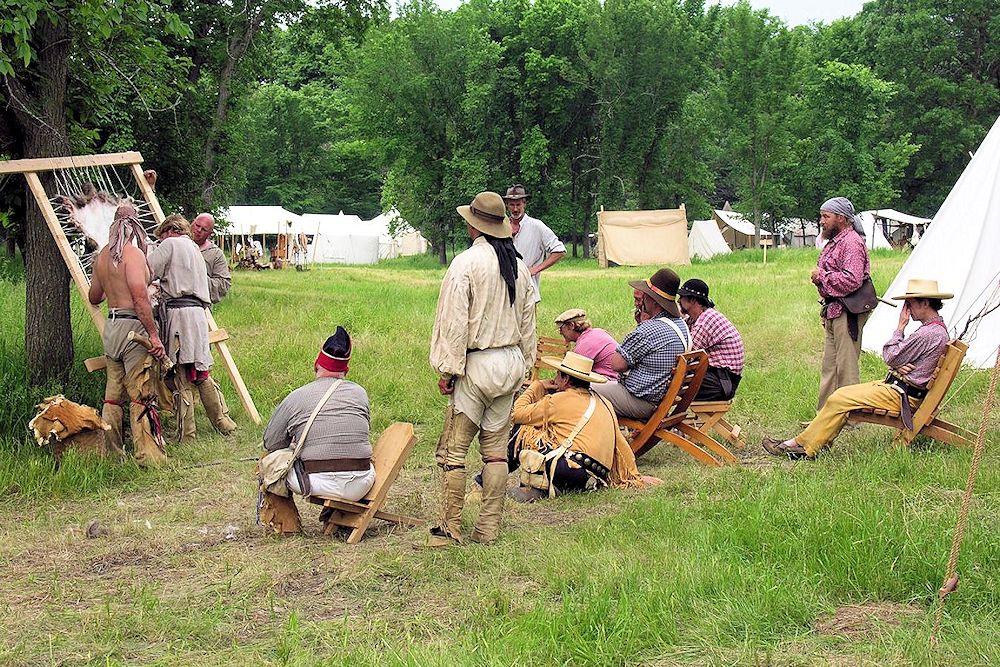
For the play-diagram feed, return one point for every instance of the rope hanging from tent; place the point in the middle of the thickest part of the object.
(951, 576)
(971, 328)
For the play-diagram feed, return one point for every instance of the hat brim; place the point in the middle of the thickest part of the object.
(500, 230)
(516, 197)
(923, 295)
(556, 363)
(667, 305)
(691, 295)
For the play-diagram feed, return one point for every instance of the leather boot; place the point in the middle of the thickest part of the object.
(452, 449)
(147, 439)
(184, 406)
(493, 446)
(215, 406)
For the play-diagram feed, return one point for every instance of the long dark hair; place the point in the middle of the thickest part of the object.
(507, 256)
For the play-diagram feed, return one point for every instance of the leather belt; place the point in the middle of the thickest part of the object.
(906, 392)
(121, 316)
(185, 302)
(336, 465)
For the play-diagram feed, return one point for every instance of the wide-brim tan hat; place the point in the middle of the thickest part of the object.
(576, 365)
(662, 286)
(918, 288)
(488, 214)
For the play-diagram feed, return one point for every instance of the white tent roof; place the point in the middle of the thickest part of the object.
(338, 223)
(739, 223)
(903, 218)
(874, 238)
(261, 220)
(959, 250)
(705, 240)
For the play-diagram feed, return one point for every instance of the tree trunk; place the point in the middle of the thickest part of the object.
(41, 114)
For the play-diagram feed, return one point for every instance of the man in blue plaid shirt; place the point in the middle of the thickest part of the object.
(646, 357)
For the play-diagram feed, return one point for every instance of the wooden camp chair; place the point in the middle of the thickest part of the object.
(388, 456)
(549, 347)
(925, 419)
(710, 417)
(668, 424)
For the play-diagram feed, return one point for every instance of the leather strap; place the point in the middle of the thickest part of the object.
(296, 462)
(336, 465)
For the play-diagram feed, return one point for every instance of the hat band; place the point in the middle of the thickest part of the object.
(332, 364)
(695, 292)
(492, 217)
(656, 289)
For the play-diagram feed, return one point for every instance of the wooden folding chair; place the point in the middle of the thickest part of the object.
(549, 347)
(667, 422)
(710, 417)
(925, 419)
(388, 456)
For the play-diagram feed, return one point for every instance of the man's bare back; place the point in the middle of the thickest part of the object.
(124, 286)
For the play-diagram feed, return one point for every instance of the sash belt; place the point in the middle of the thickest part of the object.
(185, 302)
(906, 392)
(336, 465)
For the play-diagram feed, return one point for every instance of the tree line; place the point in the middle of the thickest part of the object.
(327, 106)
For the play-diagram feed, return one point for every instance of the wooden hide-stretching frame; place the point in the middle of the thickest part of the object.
(31, 167)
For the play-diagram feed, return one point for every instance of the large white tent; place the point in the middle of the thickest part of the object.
(899, 229)
(959, 250)
(705, 240)
(874, 238)
(257, 220)
(341, 239)
(737, 230)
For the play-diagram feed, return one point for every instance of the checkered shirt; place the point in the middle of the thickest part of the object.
(651, 351)
(843, 265)
(715, 334)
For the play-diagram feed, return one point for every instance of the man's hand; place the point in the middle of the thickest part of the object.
(446, 386)
(815, 277)
(904, 316)
(535, 270)
(156, 347)
(549, 386)
(904, 370)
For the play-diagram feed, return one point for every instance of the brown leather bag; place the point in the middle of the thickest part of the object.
(862, 300)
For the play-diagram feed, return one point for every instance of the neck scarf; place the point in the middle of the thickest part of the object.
(507, 256)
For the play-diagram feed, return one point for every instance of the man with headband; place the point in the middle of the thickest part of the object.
(841, 271)
(482, 345)
(335, 459)
(121, 276)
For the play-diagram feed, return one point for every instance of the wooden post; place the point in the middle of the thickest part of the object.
(764, 243)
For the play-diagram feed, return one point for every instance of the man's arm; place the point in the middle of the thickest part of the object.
(276, 433)
(450, 336)
(219, 277)
(529, 334)
(547, 262)
(618, 362)
(848, 276)
(96, 293)
(553, 247)
(135, 279)
(530, 407)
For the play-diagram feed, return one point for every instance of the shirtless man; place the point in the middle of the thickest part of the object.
(121, 276)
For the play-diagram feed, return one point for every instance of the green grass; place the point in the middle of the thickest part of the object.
(731, 566)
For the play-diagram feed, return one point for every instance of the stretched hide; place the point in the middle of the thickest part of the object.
(63, 424)
(91, 213)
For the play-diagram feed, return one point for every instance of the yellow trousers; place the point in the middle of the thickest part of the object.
(833, 415)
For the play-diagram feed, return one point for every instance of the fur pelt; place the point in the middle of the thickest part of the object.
(62, 424)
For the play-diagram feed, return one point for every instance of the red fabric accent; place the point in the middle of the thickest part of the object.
(108, 401)
(324, 360)
(194, 375)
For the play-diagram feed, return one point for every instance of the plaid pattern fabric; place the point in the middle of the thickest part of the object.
(715, 334)
(843, 266)
(651, 352)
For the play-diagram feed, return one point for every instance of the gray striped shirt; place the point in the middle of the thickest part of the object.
(341, 427)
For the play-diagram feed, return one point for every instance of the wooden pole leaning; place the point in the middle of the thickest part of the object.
(31, 167)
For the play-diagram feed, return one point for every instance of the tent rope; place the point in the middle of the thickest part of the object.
(951, 577)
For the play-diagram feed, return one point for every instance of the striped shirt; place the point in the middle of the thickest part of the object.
(715, 334)
(341, 427)
(843, 266)
(651, 351)
(922, 348)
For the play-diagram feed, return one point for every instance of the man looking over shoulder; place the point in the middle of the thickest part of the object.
(121, 276)
(538, 245)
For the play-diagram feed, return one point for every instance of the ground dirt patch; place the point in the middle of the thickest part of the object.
(858, 620)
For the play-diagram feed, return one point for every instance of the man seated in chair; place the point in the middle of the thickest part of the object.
(591, 342)
(713, 332)
(648, 355)
(565, 435)
(911, 359)
(335, 461)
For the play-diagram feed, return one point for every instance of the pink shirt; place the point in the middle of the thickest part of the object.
(843, 266)
(597, 344)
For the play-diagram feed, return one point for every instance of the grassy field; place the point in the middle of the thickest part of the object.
(834, 562)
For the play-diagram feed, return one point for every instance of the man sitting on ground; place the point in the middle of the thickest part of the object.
(595, 344)
(335, 461)
(648, 355)
(713, 332)
(564, 434)
(911, 362)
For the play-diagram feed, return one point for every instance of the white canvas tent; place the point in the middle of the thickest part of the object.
(899, 229)
(705, 240)
(959, 250)
(874, 238)
(257, 220)
(803, 233)
(637, 238)
(404, 242)
(737, 230)
(341, 239)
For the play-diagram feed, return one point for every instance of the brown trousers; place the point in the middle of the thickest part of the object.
(840, 357)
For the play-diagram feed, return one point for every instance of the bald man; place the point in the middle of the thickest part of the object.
(219, 277)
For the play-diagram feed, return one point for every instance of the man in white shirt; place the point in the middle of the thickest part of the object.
(538, 245)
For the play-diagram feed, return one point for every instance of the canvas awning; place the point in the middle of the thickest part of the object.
(636, 238)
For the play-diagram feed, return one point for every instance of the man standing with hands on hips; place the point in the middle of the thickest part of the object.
(537, 245)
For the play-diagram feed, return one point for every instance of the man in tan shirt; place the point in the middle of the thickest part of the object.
(482, 344)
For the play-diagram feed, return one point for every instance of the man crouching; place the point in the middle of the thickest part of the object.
(327, 422)
(565, 435)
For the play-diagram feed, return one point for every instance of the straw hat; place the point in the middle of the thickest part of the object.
(488, 214)
(662, 286)
(575, 365)
(918, 288)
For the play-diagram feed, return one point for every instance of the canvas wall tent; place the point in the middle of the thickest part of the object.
(396, 237)
(341, 239)
(635, 238)
(705, 240)
(900, 229)
(803, 233)
(874, 238)
(257, 220)
(737, 230)
(959, 250)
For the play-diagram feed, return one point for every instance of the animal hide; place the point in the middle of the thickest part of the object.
(62, 424)
(92, 213)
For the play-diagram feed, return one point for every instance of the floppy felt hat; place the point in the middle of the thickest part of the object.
(571, 314)
(576, 365)
(516, 192)
(488, 214)
(696, 289)
(662, 287)
(918, 288)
